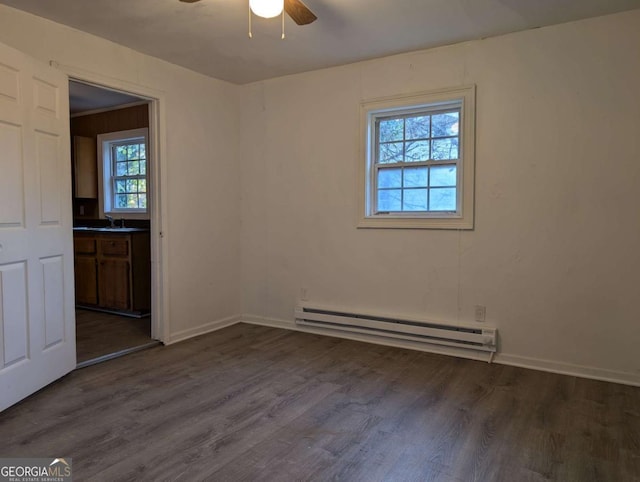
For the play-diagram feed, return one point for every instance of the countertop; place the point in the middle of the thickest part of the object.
(85, 229)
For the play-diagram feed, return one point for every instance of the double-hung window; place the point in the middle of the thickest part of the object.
(418, 166)
(124, 174)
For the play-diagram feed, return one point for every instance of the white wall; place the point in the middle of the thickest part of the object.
(202, 220)
(555, 253)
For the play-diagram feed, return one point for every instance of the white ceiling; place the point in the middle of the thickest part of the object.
(211, 36)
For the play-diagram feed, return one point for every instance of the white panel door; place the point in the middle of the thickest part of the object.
(37, 316)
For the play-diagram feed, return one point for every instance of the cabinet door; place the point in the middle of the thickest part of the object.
(83, 245)
(86, 289)
(114, 246)
(86, 174)
(113, 284)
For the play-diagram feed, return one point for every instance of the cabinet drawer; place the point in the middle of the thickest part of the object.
(83, 245)
(114, 247)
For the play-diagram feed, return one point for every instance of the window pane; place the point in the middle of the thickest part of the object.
(445, 124)
(121, 201)
(389, 200)
(121, 153)
(415, 200)
(391, 130)
(415, 177)
(143, 167)
(443, 149)
(442, 199)
(418, 127)
(442, 176)
(132, 151)
(389, 178)
(143, 152)
(142, 198)
(133, 168)
(121, 186)
(390, 152)
(417, 151)
(121, 168)
(142, 185)
(132, 200)
(132, 185)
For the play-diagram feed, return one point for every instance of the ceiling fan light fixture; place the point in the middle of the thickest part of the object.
(266, 8)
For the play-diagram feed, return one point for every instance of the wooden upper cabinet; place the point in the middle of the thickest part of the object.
(85, 166)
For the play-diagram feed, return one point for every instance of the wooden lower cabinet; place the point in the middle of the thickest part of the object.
(86, 275)
(113, 271)
(113, 284)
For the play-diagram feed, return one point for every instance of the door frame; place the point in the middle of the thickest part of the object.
(158, 204)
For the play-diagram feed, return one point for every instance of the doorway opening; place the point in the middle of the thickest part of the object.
(113, 202)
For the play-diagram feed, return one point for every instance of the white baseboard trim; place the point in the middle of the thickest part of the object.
(272, 322)
(562, 368)
(202, 329)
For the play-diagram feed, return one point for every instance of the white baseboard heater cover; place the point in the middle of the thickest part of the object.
(469, 337)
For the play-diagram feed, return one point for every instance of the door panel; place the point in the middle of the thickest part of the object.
(8, 82)
(47, 97)
(13, 281)
(47, 149)
(37, 317)
(11, 181)
(53, 282)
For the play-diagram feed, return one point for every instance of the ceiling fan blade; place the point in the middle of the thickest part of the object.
(189, 1)
(299, 12)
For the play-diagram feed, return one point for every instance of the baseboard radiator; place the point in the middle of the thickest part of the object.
(469, 337)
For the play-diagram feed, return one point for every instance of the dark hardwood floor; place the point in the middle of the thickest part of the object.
(254, 403)
(99, 334)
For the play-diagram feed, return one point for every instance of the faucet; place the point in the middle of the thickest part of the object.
(110, 219)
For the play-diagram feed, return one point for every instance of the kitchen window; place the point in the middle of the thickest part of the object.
(124, 175)
(417, 170)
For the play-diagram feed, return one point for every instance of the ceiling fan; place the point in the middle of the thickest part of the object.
(297, 10)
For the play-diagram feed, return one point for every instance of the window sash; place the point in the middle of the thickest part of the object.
(115, 178)
(378, 166)
(402, 188)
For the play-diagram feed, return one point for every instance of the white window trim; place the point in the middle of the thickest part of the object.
(104, 173)
(369, 109)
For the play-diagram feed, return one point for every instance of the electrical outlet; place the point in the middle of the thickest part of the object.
(303, 294)
(481, 312)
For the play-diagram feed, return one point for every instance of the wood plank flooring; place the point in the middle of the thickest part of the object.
(250, 403)
(99, 334)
